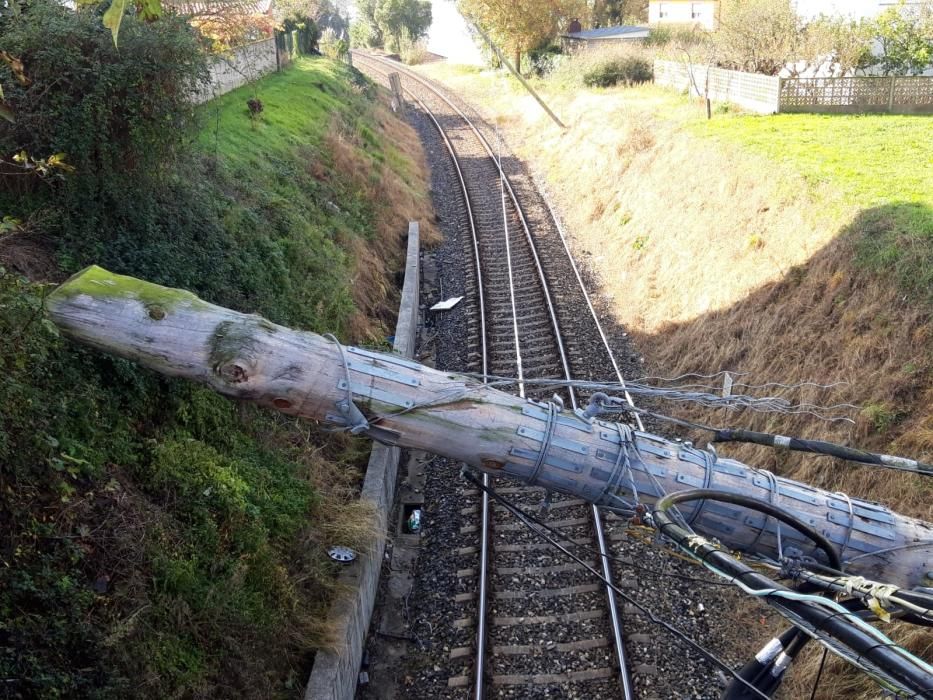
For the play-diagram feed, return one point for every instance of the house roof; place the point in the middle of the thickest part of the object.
(623, 32)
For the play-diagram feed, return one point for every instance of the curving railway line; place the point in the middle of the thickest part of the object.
(543, 627)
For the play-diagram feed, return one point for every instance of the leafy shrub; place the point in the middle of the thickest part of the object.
(413, 52)
(116, 474)
(542, 62)
(334, 46)
(149, 529)
(627, 70)
(118, 115)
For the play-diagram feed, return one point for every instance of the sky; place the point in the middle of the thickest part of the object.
(449, 36)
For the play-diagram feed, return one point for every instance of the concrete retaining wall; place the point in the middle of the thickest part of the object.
(335, 674)
(243, 64)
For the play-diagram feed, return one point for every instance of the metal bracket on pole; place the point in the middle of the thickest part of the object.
(353, 416)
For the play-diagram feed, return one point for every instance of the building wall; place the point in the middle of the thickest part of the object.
(701, 12)
(857, 9)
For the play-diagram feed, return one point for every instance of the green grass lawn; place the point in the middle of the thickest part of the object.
(299, 104)
(875, 159)
(881, 164)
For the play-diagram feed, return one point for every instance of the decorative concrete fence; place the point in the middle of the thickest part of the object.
(769, 94)
(241, 65)
(899, 94)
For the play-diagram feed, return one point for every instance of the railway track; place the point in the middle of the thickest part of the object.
(543, 627)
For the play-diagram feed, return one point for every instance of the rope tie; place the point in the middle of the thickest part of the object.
(772, 490)
(878, 594)
(625, 439)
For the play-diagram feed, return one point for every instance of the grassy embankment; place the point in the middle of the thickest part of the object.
(158, 540)
(790, 248)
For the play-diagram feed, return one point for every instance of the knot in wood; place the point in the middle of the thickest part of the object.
(156, 312)
(233, 373)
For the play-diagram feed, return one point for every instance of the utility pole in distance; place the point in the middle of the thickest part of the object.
(518, 75)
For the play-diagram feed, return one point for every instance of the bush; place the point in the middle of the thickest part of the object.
(118, 115)
(627, 70)
(333, 46)
(413, 53)
(542, 62)
(150, 540)
(132, 499)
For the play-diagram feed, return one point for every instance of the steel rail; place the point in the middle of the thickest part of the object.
(625, 681)
(483, 595)
(479, 690)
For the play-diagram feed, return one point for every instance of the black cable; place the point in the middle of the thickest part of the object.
(762, 670)
(893, 666)
(617, 560)
(760, 665)
(819, 675)
(820, 447)
(818, 538)
(914, 597)
(709, 656)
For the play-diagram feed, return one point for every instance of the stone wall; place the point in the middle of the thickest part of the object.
(243, 64)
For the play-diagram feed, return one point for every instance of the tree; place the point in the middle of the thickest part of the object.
(905, 36)
(611, 13)
(365, 30)
(381, 19)
(394, 17)
(522, 25)
(759, 36)
(838, 45)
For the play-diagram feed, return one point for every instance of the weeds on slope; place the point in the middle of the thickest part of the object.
(158, 540)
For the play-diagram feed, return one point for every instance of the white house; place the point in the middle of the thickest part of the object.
(703, 13)
(856, 9)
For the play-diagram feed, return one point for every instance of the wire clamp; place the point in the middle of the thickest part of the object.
(356, 421)
(791, 566)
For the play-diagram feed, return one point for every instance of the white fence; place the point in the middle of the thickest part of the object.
(243, 64)
(769, 95)
(758, 93)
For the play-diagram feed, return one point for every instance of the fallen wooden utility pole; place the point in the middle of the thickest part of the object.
(401, 402)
